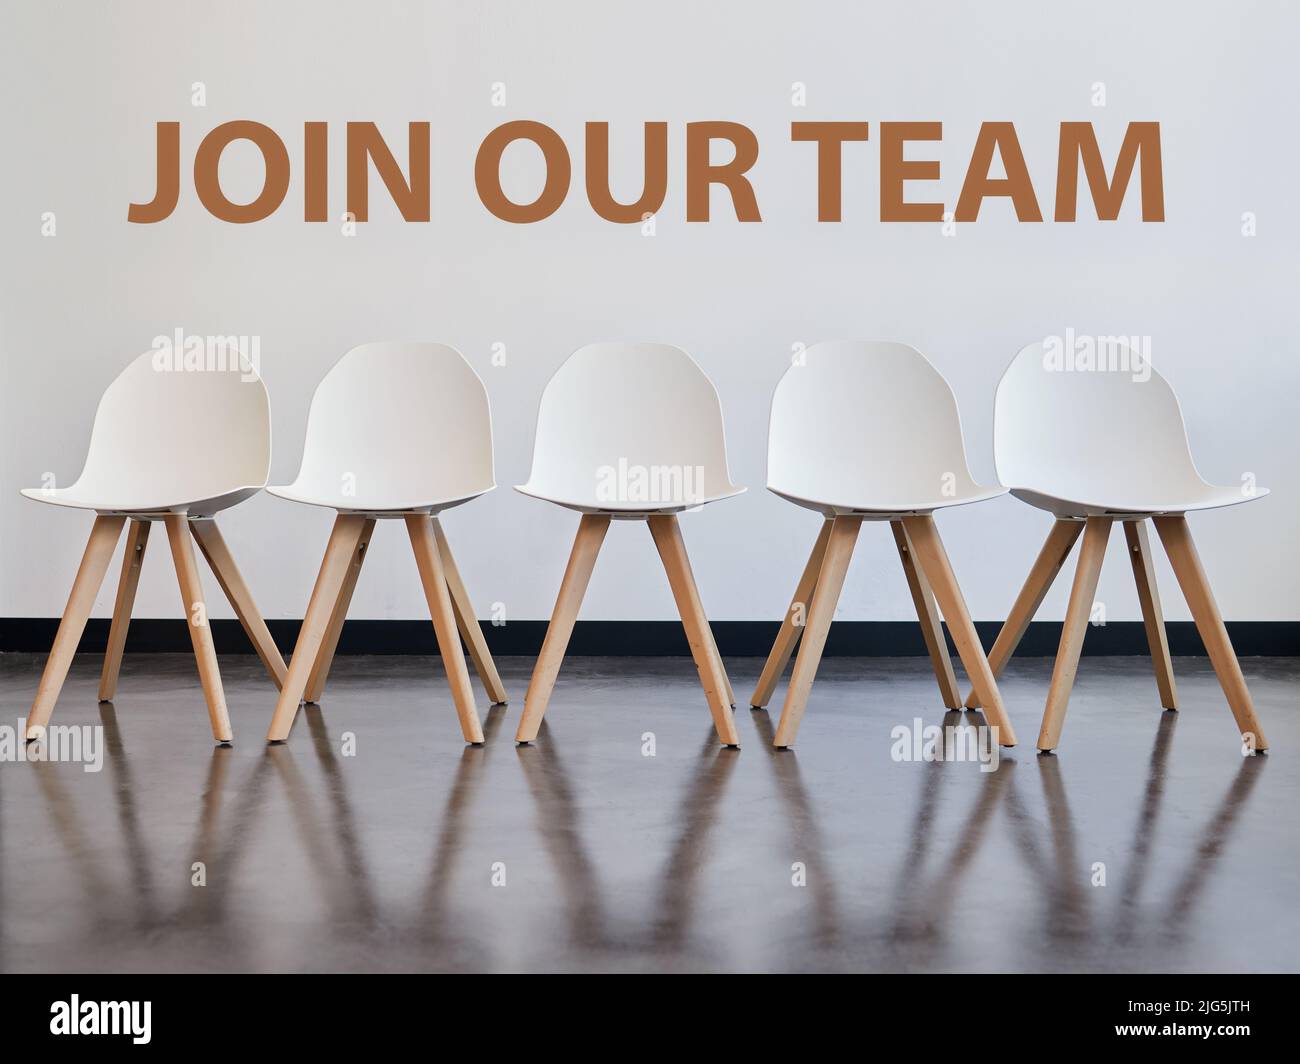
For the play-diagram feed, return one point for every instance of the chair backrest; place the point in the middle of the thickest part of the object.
(865, 420)
(1090, 434)
(167, 430)
(400, 424)
(646, 409)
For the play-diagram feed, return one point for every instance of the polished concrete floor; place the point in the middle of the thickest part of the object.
(374, 840)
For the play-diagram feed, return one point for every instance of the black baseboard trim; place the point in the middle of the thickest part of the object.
(652, 638)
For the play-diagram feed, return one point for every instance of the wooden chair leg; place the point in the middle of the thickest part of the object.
(928, 615)
(329, 644)
(104, 534)
(1144, 575)
(339, 553)
(467, 622)
(434, 579)
(1177, 539)
(222, 563)
(137, 537)
(196, 619)
(825, 596)
(1095, 534)
(667, 535)
(582, 559)
(792, 625)
(932, 559)
(726, 680)
(1059, 543)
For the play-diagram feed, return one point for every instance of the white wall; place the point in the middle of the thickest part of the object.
(84, 83)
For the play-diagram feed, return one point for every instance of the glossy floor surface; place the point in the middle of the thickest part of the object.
(374, 840)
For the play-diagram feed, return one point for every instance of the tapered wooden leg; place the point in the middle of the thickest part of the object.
(222, 563)
(667, 535)
(1177, 539)
(726, 680)
(329, 644)
(467, 622)
(1144, 575)
(339, 553)
(132, 559)
(196, 618)
(434, 579)
(582, 559)
(1095, 534)
(932, 560)
(104, 534)
(928, 615)
(1060, 541)
(826, 594)
(793, 624)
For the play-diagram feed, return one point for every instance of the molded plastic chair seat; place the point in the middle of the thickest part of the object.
(1082, 443)
(868, 428)
(173, 440)
(870, 431)
(394, 430)
(380, 504)
(630, 431)
(143, 501)
(877, 509)
(1148, 502)
(1092, 446)
(665, 504)
(176, 444)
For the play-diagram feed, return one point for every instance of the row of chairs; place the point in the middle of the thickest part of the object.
(860, 431)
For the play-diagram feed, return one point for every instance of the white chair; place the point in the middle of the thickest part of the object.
(630, 431)
(174, 444)
(869, 431)
(395, 430)
(1091, 447)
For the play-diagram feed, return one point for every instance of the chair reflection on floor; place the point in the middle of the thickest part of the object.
(923, 901)
(129, 903)
(1063, 873)
(332, 838)
(560, 832)
(1050, 848)
(674, 911)
(806, 838)
(222, 838)
(153, 909)
(697, 812)
(433, 922)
